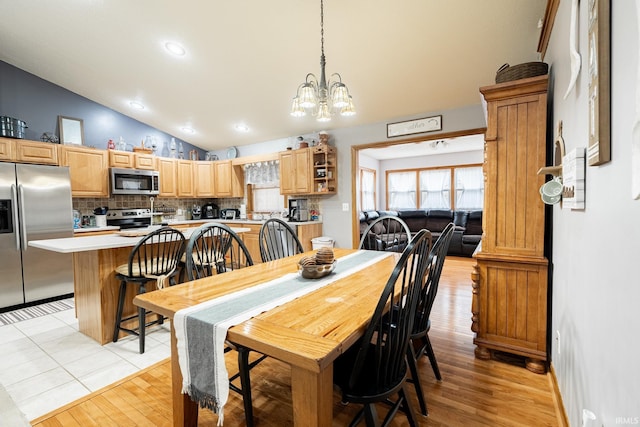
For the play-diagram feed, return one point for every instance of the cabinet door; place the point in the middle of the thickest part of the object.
(295, 173)
(88, 169)
(144, 161)
(7, 149)
(120, 159)
(168, 177)
(204, 178)
(43, 153)
(223, 178)
(185, 179)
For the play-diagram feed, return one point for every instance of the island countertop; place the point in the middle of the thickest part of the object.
(107, 241)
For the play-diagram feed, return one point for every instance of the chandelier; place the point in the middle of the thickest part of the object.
(319, 97)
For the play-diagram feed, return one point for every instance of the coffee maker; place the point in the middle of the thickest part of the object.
(195, 212)
(210, 211)
(298, 210)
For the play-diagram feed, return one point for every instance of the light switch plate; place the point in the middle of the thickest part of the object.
(345, 207)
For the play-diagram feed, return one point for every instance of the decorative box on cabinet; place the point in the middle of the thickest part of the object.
(509, 306)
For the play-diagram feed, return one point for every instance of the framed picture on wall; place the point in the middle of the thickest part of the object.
(71, 130)
(599, 69)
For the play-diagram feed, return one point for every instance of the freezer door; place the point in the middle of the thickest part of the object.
(10, 263)
(45, 207)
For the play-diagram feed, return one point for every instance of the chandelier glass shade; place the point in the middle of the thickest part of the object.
(319, 97)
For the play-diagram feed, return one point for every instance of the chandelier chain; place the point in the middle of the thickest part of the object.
(322, 26)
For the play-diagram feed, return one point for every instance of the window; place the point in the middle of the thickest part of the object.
(367, 189)
(469, 188)
(436, 188)
(401, 190)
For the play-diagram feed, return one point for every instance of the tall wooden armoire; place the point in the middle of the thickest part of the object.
(509, 308)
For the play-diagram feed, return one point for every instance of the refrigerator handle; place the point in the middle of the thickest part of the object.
(23, 226)
(14, 199)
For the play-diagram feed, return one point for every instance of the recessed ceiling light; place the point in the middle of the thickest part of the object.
(188, 130)
(241, 127)
(136, 105)
(174, 48)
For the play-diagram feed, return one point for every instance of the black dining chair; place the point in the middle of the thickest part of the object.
(420, 343)
(278, 240)
(214, 248)
(386, 233)
(153, 259)
(375, 369)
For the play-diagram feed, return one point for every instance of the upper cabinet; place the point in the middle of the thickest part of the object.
(26, 151)
(229, 179)
(168, 171)
(310, 170)
(128, 159)
(204, 178)
(7, 149)
(185, 178)
(120, 159)
(88, 168)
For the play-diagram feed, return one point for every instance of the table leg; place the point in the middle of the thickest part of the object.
(312, 394)
(185, 411)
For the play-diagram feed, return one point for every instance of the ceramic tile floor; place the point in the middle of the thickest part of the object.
(46, 363)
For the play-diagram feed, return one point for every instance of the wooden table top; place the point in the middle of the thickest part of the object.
(308, 332)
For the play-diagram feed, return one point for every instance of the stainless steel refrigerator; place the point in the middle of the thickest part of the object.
(35, 204)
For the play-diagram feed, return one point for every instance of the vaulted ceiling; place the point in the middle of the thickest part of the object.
(245, 59)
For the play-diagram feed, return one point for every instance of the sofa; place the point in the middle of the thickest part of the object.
(466, 235)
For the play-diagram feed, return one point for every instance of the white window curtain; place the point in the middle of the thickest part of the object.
(265, 177)
(367, 190)
(263, 173)
(469, 188)
(402, 190)
(435, 189)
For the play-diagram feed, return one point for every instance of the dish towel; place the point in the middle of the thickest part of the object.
(201, 330)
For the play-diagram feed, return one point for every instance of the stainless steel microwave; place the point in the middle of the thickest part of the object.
(135, 181)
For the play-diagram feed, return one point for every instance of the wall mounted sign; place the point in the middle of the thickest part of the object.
(599, 150)
(428, 124)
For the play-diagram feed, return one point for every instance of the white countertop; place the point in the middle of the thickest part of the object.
(107, 241)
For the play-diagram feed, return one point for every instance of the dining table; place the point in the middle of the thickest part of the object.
(308, 332)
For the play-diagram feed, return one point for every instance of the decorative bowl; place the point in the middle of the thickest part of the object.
(316, 271)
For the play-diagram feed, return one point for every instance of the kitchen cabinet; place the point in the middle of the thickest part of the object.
(7, 149)
(229, 179)
(509, 305)
(295, 174)
(168, 171)
(185, 183)
(204, 178)
(144, 161)
(130, 160)
(43, 153)
(306, 232)
(121, 159)
(88, 168)
(312, 171)
(325, 172)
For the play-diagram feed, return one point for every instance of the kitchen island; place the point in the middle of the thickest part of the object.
(95, 259)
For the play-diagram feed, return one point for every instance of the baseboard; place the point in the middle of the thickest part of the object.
(561, 413)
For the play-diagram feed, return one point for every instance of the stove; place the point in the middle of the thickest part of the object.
(129, 218)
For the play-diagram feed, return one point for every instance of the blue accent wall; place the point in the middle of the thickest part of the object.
(38, 102)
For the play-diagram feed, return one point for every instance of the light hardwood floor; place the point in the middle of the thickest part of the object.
(473, 392)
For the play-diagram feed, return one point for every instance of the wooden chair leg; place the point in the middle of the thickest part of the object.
(432, 358)
(415, 378)
(116, 329)
(142, 321)
(245, 381)
(407, 407)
